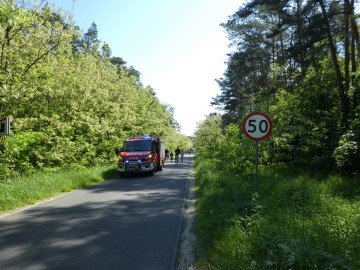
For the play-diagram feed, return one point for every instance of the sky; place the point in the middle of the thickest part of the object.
(178, 46)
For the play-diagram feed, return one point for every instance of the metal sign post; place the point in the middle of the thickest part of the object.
(257, 166)
(257, 126)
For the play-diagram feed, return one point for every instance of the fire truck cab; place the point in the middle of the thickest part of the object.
(143, 154)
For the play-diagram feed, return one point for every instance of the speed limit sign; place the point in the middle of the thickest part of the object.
(257, 126)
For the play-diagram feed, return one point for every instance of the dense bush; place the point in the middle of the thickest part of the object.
(347, 154)
(227, 148)
(297, 219)
(307, 122)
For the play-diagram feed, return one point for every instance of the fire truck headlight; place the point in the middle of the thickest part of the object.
(148, 157)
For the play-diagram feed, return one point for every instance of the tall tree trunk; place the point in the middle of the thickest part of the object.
(354, 36)
(346, 46)
(354, 50)
(344, 99)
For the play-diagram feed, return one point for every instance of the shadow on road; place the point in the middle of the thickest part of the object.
(124, 223)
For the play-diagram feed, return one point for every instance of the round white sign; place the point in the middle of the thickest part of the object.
(257, 126)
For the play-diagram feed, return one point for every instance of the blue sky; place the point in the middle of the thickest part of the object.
(178, 46)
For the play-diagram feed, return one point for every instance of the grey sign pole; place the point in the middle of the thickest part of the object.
(257, 167)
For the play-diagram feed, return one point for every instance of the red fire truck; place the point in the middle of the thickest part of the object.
(141, 154)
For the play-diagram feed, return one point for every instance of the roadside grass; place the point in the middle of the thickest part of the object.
(296, 220)
(26, 190)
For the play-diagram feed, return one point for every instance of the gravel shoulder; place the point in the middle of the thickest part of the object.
(186, 249)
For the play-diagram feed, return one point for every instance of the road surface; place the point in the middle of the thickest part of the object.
(125, 223)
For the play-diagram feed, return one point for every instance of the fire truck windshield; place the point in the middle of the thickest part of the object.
(141, 145)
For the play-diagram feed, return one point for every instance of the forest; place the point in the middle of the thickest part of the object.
(70, 102)
(297, 61)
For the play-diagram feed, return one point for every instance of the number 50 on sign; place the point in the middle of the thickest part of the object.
(257, 126)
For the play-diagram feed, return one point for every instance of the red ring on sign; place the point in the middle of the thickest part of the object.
(243, 126)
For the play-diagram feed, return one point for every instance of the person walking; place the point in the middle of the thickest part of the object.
(171, 156)
(177, 155)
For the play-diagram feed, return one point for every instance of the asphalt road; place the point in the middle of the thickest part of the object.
(128, 223)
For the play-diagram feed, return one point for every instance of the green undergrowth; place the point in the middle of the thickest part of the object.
(295, 220)
(27, 190)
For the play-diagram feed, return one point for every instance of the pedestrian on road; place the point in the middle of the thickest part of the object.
(177, 154)
(171, 156)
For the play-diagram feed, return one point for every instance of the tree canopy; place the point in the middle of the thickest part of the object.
(69, 100)
(297, 61)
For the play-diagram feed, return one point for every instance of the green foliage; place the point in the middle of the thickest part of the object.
(298, 218)
(301, 217)
(306, 123)
(174, 140)
(69, 101)
(292, 223)
(347, 154)
(25, 190)
(236, 151)
(297, 62)
(227, 148)
(208, 137)
(18, 155)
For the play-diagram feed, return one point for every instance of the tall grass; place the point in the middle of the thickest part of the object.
(295, 220)
(25, 190)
